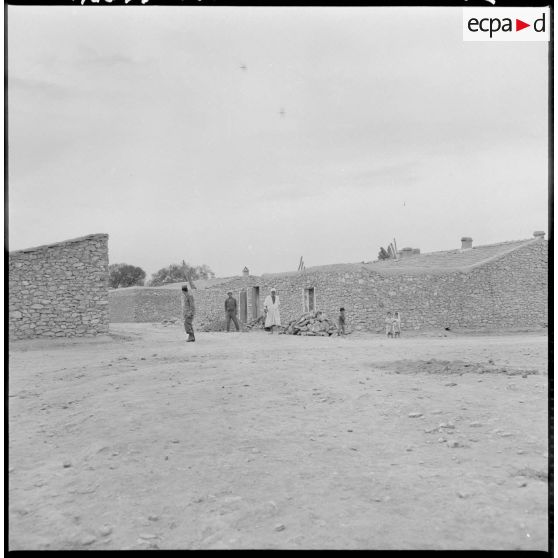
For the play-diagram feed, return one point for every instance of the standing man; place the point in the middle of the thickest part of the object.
(231, 308)
(188, 311)
(271, 310)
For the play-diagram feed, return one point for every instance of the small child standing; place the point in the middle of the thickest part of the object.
(389, 324)
(341, 320)
(396, 325)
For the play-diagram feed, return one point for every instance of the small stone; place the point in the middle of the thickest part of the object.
(67, 464)
(454, 444)
(11, 470)
(349, 430)
(153, 518)
(520, 452)
(105, 530)
(475, 424)
(506, 434)
(415, 415)
(175, 441)
(409, 448)
(522, 484)
(450, 384)
(354, 449)
(441, 440)
(166, 457)
(280, 527)
(148, 536)
(462, 494)
(87, 540)
(437, 412)
(142, 358)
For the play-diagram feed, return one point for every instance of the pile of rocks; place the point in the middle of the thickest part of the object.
(311, 323)
(257, 323)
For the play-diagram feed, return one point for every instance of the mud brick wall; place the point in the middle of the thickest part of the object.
(59, 290)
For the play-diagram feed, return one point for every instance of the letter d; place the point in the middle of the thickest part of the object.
(537, 21)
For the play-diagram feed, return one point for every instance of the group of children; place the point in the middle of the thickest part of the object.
(393, 324)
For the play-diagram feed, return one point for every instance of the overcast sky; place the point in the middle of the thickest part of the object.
(139, 122)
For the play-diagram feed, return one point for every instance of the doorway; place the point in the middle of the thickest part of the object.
(243, 306)
(309, 300)
(255, 303)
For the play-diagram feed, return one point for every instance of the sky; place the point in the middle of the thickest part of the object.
(348, 127)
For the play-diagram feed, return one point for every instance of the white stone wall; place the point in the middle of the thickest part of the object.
(59, 290)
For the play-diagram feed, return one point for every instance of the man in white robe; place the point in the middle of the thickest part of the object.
(271, 310)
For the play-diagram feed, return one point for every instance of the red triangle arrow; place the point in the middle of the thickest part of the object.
(519, 25)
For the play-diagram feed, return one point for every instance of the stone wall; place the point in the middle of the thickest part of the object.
(505, 292)
(144, 304)
(59, 290)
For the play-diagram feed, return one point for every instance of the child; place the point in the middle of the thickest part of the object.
(396, 325)
(389, 324)
(341, 330)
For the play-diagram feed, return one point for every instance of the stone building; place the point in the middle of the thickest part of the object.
(59, 290)
(502, 285)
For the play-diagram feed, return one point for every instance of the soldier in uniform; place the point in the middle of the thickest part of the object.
(188, 311)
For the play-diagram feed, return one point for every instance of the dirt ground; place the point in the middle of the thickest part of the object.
(249, 440)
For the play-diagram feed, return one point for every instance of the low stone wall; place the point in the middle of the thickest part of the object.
(144, 304)
(59, 290)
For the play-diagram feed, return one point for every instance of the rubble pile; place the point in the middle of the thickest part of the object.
(311, 323)
(257, 323)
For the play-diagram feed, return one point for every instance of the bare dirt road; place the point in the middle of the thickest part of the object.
(251, 440)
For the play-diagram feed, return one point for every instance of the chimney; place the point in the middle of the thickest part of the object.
(466, 242)
(539, 235)
(406, 252)
(245, 272)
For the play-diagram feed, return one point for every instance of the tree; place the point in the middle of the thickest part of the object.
(125, 275)
(178, 273)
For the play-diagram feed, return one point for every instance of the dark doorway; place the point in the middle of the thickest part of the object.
(255, 302)
(243, 306)
(309, 300)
